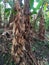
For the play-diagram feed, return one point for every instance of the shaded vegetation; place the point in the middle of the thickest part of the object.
(24, 32)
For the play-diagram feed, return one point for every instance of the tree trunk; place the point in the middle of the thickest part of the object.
(22, 31)
(42, 28)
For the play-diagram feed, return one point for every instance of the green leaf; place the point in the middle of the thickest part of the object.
(6, 10)
(45, 7)
(34, 12)
(10, 2)
(39, 4)
(37, 0)
(7, 14)
(48, 13)
(0, 0)
(31, 4)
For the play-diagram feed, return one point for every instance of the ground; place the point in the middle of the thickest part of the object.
(40, 49)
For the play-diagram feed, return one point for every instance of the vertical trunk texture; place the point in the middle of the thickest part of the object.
(0, 20)
(22, 31)
(42, 28)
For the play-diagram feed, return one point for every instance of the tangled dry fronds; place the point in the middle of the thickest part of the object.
(22, 31)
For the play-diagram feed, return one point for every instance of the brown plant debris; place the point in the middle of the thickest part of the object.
(23, 33)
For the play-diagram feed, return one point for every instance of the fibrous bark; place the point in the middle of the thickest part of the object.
(22, 31)
(42, 28)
